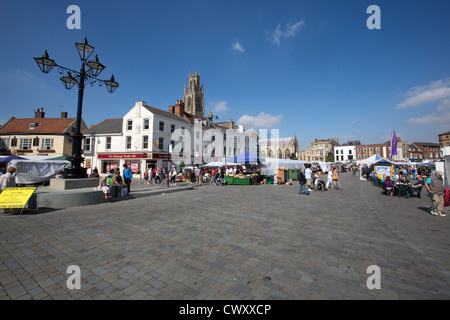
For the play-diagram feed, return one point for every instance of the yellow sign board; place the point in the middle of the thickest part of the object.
(12, 198)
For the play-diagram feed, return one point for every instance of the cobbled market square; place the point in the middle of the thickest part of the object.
(225, 158)
(230, 242)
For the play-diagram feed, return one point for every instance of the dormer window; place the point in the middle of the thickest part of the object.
(33, 125)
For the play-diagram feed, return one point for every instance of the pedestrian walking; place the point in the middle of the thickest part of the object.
(435, 187)
(302, 181)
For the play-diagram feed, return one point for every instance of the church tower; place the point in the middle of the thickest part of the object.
(194, 101)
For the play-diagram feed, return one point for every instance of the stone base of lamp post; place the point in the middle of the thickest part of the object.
(75, 170)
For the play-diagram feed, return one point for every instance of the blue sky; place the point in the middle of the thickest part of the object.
(310, 68)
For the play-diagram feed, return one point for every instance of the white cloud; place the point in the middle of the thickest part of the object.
(238, 47)
(354, 122)
(221, 107)
(441, 117)
(290, 31)
(436, 91)
(20, 74)
(262, 120)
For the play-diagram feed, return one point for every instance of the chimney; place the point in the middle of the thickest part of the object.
(39, 113)
(231, 124)
(179, 108)
(171, 109)
(64, 115)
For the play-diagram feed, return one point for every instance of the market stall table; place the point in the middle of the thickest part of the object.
(233, 180)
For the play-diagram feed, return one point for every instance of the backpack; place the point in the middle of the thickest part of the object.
(108, 181)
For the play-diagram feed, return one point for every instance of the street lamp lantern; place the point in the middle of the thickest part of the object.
(69, 81)
(75, 170)
(84, 50)
(111, 85)
(95, 67)
(45, 63)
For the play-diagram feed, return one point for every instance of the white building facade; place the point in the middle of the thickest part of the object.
(145, 136)
(344, 153)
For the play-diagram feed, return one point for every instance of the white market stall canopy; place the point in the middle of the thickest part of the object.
(220, 164)
(28, 172)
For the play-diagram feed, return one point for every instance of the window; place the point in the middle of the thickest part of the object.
(365, 149)
(161, 143)
(145, 142)
(128, 142)
(4, 144)
(47, 144)
(33, 125)
(342, 158)
(87, 144)
(108, 143)
(350, 152)
(172, 128)
(25, 143)
(36, 142)
(129, 125)
(161, 126)
(146, 124)
(14, 142)
(371, 149)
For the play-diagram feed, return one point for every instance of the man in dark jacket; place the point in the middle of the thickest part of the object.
(302, 180)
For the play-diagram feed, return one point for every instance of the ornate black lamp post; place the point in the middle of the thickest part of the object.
(75, 170)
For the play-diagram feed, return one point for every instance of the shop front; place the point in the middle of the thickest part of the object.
(136, 161)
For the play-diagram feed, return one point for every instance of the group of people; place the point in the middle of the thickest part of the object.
(113, 185)
(158, 175)
(433, 183)
(309, 179)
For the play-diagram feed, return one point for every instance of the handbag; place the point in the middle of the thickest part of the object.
(124, 191)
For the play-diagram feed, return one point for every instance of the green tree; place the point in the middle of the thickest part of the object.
(293, 157)
(329, 157)
(182, 165)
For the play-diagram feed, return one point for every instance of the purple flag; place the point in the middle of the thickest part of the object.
(393, 144)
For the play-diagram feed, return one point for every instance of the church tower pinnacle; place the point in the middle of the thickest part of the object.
(194, 99)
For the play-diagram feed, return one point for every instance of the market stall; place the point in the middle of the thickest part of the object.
(250, 179)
